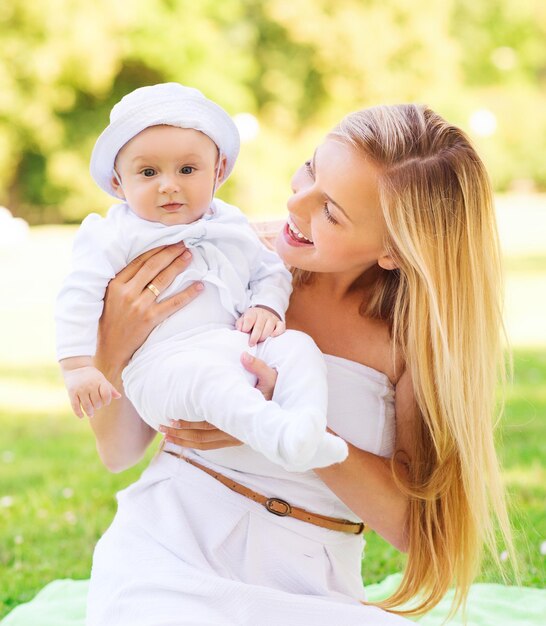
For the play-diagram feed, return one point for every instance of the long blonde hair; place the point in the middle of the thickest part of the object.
(444, 306)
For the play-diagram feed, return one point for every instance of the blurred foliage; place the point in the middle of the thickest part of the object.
(297, 66)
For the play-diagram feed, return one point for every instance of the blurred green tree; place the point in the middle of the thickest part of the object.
(502, 46)
(297, 66)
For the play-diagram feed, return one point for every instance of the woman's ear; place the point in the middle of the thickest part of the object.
(116, 185)
(387, 262)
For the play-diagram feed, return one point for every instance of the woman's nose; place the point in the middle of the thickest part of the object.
(300, 202)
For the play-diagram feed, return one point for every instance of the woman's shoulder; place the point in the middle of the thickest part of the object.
(268, 231)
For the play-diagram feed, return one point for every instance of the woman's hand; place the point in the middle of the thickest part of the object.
(267, 376)
(205, 436)
(130, 314)
(198, 435)
(130, 308)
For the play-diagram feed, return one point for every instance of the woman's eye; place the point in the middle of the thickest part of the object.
(328, 215)
(326, 210)
(148, 171)
(187, 169)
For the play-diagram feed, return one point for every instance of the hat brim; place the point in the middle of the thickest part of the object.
(200, 114)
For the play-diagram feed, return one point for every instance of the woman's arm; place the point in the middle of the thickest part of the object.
(121, 436)
(365, 482)
(130, 314)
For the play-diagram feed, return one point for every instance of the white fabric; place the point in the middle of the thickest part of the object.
(185, 550)
(227, 256)
(189, 367)
(200, 377)
(360, 410)
(171, 104)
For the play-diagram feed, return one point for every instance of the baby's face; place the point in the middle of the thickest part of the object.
(167, 174)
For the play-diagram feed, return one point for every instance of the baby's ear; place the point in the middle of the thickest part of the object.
(222, 169)
(117, 187)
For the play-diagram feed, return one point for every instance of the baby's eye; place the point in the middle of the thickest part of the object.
(187, 169)
(148, 171)
(309, 168)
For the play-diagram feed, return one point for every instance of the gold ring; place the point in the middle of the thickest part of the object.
(153, 289)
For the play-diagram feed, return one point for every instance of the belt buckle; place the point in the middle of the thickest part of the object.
(271, 503)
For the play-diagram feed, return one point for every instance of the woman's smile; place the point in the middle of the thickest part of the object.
(294, 235)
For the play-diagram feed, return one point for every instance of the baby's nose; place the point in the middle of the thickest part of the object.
(168, 184)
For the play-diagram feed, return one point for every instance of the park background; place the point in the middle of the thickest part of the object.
(287, 70)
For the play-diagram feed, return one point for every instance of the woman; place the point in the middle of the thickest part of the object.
(392, 237)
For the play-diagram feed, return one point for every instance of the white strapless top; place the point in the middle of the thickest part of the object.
(360, 409)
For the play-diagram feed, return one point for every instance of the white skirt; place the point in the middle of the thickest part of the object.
(185, 550)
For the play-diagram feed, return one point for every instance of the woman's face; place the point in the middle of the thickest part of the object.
(335, 223)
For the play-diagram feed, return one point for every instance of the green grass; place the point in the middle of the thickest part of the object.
(56, 499)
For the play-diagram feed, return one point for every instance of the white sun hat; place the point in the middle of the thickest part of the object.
(167, 103)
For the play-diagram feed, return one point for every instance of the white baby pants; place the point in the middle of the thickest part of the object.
(201, 378)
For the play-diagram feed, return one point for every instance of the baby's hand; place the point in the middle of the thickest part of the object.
(88, 389)
(261, 323)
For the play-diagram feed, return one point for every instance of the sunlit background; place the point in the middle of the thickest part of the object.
(286, 71)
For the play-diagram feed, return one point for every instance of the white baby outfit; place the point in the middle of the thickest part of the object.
(189, 366)
(183, 550)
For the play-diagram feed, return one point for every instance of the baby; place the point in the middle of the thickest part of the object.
(164, 154)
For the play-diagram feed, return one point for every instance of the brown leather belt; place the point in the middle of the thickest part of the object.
(277, 506)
